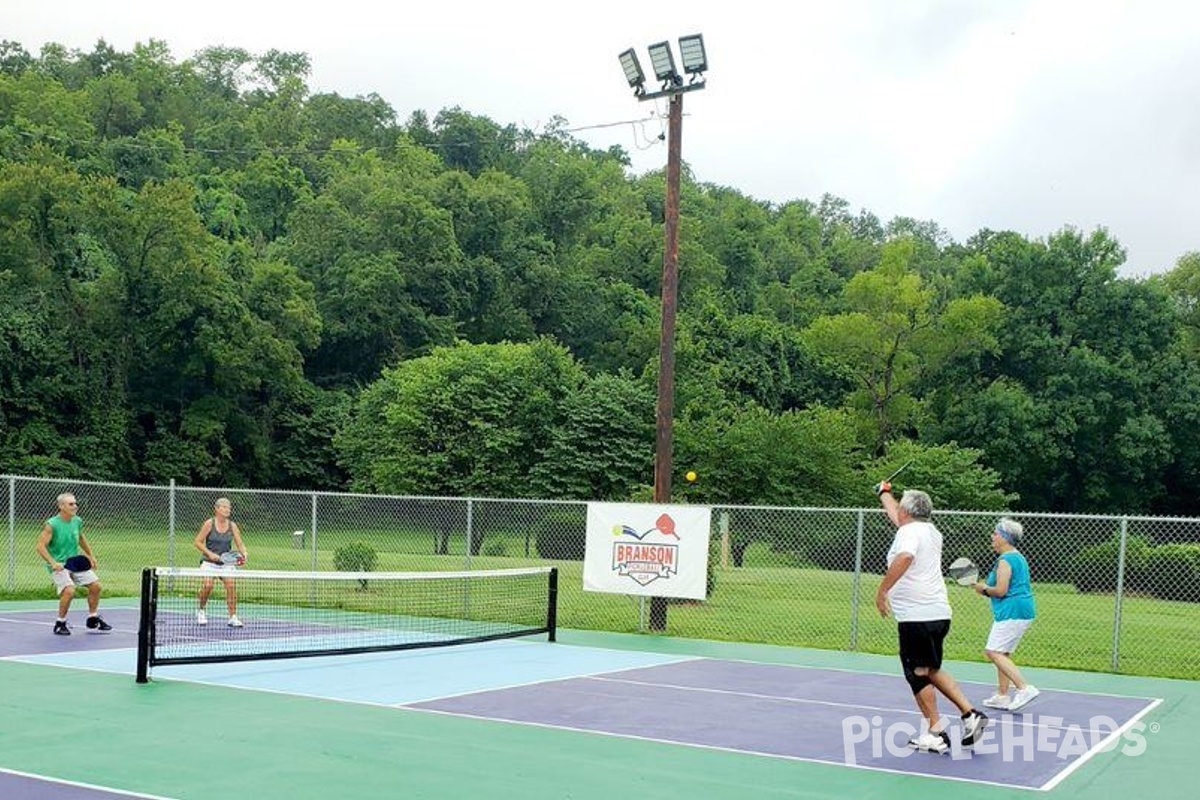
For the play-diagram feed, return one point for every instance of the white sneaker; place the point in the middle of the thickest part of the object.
(973, 725)
(234, 622)
(930, 742)
(997, 701)
(1023, 697)
(201, 617)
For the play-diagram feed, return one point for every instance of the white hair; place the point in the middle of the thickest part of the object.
(1011, 530)
(917, 504)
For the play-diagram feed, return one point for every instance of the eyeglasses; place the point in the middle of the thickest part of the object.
(72, 504)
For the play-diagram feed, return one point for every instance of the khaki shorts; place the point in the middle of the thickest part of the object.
(62, 579)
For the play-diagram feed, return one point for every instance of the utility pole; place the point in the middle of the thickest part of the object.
(695, 62)
(665, 416)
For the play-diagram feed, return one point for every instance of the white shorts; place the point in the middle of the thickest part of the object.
(62, 579)
(209, 566)
(1006, 635)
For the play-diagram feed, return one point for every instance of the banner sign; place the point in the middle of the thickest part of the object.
(647, 549)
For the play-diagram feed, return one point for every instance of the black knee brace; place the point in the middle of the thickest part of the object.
(917, 682)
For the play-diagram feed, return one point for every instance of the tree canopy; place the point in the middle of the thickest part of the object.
(210, 273)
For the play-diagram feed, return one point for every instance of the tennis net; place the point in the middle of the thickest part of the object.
(297, 614)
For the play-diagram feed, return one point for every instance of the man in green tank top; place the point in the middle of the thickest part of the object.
(62, 538)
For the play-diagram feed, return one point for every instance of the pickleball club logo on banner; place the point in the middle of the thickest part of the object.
(647, 549)
(646, 556)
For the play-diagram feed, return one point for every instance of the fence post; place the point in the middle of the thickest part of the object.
(313, 523)
(723, 526)
(470, 530)
(1116, 648)
(858, 547)
(12, 534)
(171, 525)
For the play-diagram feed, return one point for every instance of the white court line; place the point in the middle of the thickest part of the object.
(854, 706)
(1110, 739)
(410, 706)
(705, 657)
(50, 624)
(323, 662)
(94, 786)
(897, 674)
(1015, 720)
(541, 681)
(733, 750)
(404, 705)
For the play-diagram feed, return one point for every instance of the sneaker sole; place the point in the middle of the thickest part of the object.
(1019, 706)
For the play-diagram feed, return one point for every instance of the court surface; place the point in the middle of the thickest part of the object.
(590, 716)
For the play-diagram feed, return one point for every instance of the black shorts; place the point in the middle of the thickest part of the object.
(921, 643)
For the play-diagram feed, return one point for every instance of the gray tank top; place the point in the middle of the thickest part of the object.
(217, 541)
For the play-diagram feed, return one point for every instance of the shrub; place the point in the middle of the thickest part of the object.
(495, 547)
(832, 544)
(1095, 568)
(562, 535)
(1172, 572)
(356, 557)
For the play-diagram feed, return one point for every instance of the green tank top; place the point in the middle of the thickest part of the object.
(64, 538)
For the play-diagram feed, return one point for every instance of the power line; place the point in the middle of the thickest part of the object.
(133, 143)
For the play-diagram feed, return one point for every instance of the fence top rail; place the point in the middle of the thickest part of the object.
(82, 482)
(943, 512)
(544, 501)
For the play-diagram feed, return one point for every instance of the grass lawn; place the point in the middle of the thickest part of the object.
(762, 602)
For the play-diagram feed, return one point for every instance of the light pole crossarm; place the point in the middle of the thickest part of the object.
(674, 90)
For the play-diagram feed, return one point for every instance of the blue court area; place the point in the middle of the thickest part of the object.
(855, 720)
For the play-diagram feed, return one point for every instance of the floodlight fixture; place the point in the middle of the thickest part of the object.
(633, 71)
(663, 62)
(691, 52)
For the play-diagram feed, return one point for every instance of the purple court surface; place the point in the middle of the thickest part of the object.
(859, 720)
(850, 718)
(18, 786)
(23, 633)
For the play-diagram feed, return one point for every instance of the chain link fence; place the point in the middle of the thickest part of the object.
(1114, 593)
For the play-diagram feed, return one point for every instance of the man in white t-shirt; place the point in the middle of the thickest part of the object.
(914, 592)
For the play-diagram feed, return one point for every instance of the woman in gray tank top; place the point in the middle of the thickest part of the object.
(217, 536)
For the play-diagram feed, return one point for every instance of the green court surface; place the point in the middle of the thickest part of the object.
(173, 739)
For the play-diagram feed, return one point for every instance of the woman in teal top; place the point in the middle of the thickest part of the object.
(1013, 611)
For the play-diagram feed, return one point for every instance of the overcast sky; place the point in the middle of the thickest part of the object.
(1025, 115)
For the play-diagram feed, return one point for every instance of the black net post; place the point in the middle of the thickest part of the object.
(146, 624)
(552, 607)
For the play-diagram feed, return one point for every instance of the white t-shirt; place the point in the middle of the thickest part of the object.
(920, 594)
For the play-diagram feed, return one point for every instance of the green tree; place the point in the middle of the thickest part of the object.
(116, 110)
(383, 258)
(603, 447)
(1092, 384)
(468, 420)
(892, 334)
(62, 387)
(749, 456)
